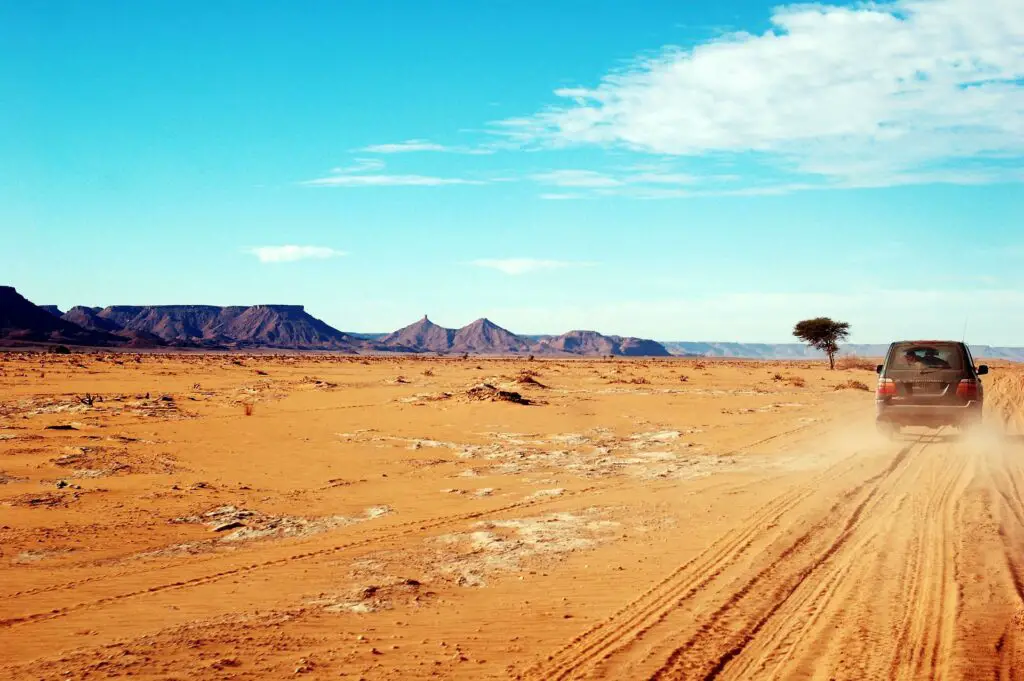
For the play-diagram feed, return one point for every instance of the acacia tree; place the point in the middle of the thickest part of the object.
(823, 334)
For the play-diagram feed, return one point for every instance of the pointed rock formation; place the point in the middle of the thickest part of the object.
(484, 337)
(421, 336)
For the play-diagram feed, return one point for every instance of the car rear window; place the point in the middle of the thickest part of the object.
(922, 356)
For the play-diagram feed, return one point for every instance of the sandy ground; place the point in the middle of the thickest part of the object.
(225, 517)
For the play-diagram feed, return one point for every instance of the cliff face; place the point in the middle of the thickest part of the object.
(23, 321)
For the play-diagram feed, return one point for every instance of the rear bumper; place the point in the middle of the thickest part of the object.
(928, 415)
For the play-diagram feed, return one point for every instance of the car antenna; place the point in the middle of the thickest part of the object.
(963, 338)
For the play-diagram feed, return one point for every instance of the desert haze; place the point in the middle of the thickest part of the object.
(232, 516)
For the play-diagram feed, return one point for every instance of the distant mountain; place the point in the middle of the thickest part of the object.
(484, 337)
(271, 326)
(52, 309)
(23, 321)
(487, 338)
(87, 318)
(592, 343)
(421, 336)
(800, 351)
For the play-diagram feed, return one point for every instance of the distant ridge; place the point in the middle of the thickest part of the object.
(270, 326)
(290, 327)
(800, 351)
(484, 337)
(594, 343)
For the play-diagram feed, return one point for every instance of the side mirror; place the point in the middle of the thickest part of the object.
(982, 370)
(878, 369)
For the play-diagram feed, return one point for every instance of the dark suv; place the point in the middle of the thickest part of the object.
(928, 383)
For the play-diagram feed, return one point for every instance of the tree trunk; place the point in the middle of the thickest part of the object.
(832, 360)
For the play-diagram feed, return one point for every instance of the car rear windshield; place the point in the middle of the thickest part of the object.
(926, 356)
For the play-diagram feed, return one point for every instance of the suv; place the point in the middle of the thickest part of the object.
(928, 383)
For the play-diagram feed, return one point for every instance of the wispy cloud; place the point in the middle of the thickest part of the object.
(561, 196)
(516, 266)
(388, 181)
(576, 178)
(873, 94)
(361, 165)
(272, 254)
(411, 146)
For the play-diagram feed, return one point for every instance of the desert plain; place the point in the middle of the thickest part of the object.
(230, 516)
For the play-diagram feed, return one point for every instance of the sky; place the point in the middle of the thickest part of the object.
(708, 171)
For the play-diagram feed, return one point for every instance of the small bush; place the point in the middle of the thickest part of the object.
(248, 408)
(796, 381)
(852, 385)
(62, 350)
(684, 378)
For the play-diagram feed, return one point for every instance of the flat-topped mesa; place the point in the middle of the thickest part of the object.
(264, 325)
(52, 309)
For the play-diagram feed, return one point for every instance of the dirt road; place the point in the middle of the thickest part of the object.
(906, 569)
(737, 521)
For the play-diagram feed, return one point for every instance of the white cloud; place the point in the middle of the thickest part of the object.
(517, 266)
(410, 146)
(269, 254)
(576, 178)
(877, 93)
(626, 184)
(387, 181)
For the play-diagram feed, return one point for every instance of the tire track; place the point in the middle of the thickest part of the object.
(639, 617)
(730, 629)
(406, 529)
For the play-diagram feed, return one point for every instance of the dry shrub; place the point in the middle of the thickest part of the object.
(853, 362)
(526, 378)
(248, 407)
(852, 385)
(797, 381)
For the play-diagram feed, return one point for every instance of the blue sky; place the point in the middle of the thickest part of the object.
(692, 171)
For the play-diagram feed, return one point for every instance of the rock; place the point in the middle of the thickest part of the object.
(228, 526)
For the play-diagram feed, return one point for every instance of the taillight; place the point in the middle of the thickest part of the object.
(886, 387)
(967, 389)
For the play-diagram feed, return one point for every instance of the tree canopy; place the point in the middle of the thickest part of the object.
(823, 333)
